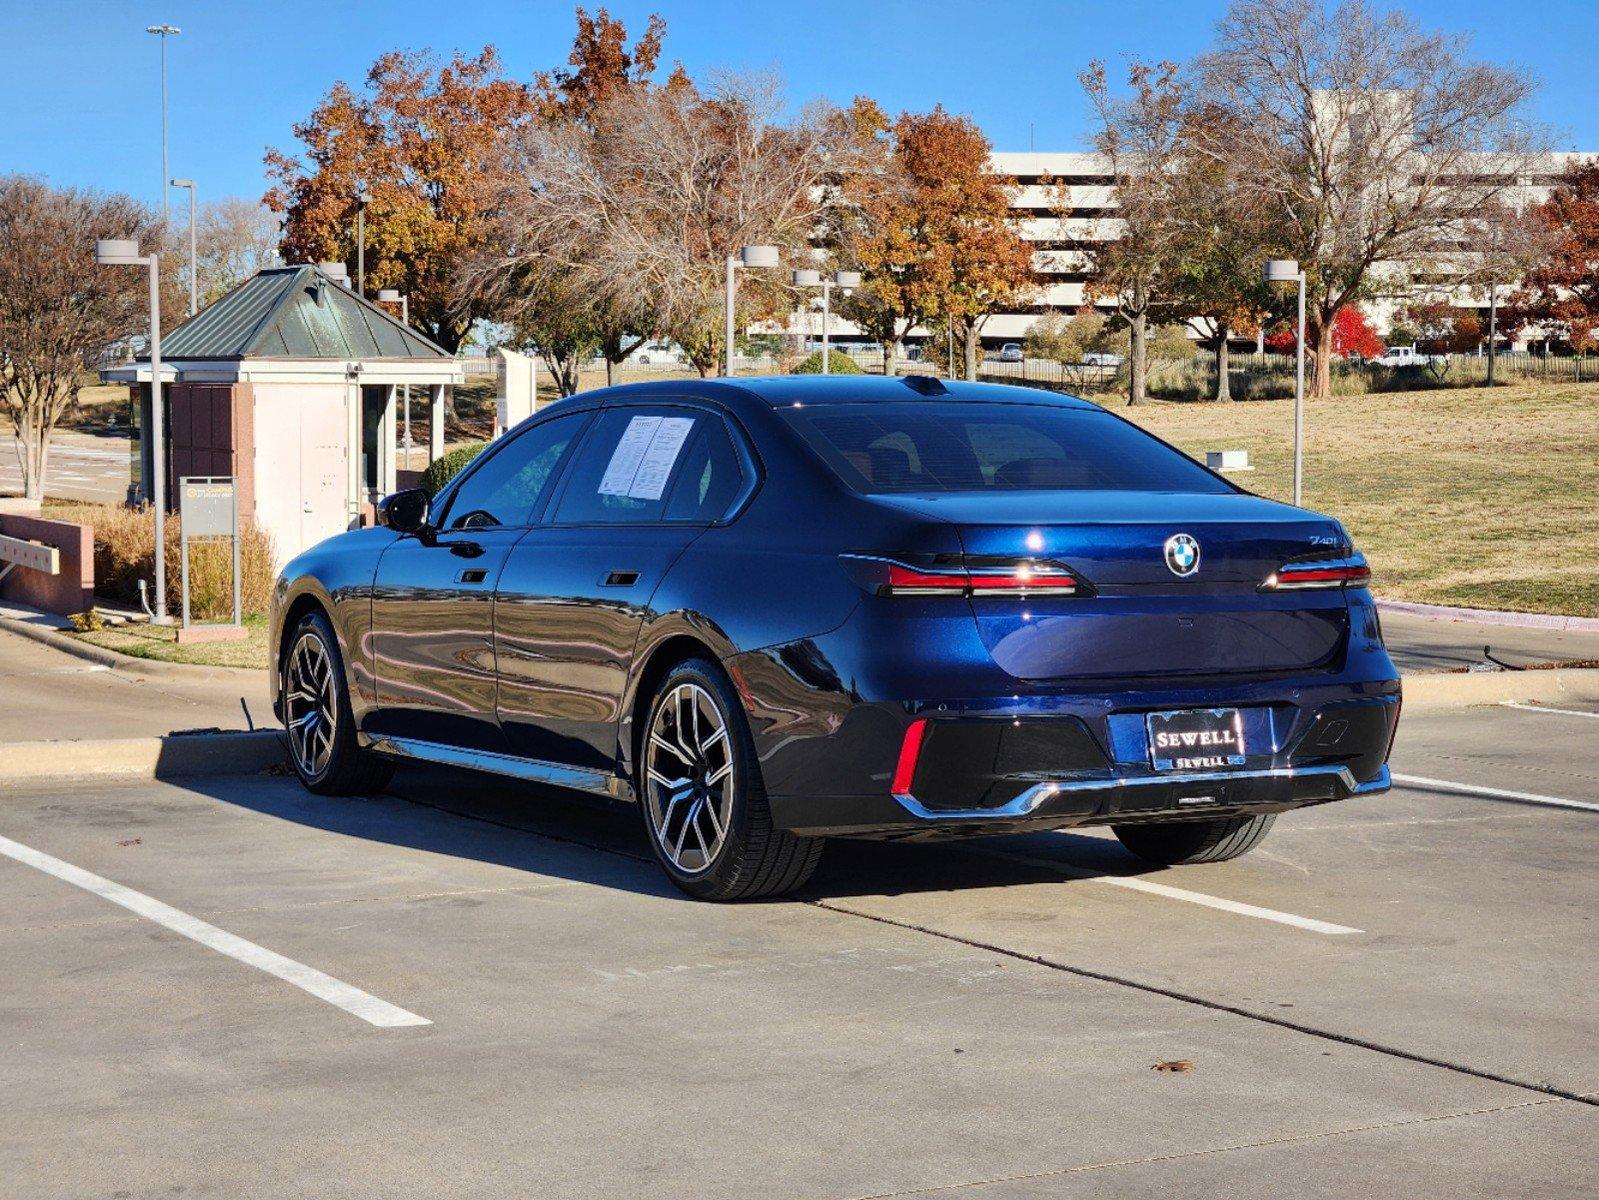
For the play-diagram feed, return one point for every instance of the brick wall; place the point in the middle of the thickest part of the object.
(72, 591)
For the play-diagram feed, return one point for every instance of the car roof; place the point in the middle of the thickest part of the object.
(787, 390)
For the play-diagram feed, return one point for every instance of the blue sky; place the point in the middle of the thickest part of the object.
(79, 100)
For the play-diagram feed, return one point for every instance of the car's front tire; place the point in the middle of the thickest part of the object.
(1175, 843)
(317, 717)
(700, 791)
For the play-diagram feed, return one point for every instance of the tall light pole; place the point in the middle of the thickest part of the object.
(164, 32)
(194, 258)
(1286, 270)
(748, 256)
(124, 252)
(360, 241)
(841, 279)
(393, 296)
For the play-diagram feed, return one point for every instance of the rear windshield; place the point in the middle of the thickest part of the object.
(948, 446)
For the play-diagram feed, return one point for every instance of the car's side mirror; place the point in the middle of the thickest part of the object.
(407, 512)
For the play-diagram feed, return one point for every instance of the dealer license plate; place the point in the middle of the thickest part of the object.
(1196, 739)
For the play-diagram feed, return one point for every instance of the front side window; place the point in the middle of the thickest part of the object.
(950, 446)
(647, 464)
(509, 487)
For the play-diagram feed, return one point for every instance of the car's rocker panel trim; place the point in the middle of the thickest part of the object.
(1035, 796)
(534, 770)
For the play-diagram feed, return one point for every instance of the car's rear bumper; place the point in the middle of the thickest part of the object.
(977, 777)
(1062, 805)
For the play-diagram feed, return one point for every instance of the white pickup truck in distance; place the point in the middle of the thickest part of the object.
(1405, 356)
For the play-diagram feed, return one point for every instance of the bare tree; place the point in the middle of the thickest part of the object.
(57, 308)
(236, 238)
(643, 208)
(1374, 140)
(1506, 241)
(1142, 139)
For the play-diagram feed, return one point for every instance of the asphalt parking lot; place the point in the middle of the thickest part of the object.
(227, 987)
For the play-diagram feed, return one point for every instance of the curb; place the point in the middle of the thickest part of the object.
(1489, 616)
(1465, 689)
(170, 757)
(119, 662)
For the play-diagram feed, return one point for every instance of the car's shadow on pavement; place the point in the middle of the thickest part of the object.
(568, 835)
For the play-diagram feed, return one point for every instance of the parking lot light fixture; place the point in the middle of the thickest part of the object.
(840, 279)
(124, 252)
(164, 31)
(763, 257)
(1286, 270)
(194, 260)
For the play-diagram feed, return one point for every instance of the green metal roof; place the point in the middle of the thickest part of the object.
(295, 313)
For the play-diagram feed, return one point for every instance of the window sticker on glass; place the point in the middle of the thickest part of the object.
(659, 459)
(643, 459)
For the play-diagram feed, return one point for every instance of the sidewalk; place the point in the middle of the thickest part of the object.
(1424, 644)
(49, 695)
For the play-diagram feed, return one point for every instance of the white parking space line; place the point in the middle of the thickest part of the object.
(308, 979)
(1166, 891)
(1559, 712)
(1471, 789)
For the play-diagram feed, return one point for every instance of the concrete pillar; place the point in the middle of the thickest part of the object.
(435, 422)
(388, 434)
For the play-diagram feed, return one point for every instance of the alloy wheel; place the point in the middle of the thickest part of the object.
(311, 707)
(689, 778)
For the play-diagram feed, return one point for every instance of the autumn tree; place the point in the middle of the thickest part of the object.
(929, 228)
(1141, 136)
(1561, 292)
(57, 308)
(418, 139)
(1221, 233)
(1374, 141)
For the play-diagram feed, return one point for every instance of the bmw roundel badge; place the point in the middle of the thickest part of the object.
(1182, 554)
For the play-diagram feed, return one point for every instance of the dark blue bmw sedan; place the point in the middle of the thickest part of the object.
(774, 611)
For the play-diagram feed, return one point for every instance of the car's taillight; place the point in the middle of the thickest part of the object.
(964, 577)
(1326, 573)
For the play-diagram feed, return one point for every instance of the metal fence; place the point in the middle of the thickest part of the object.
(1271, 376)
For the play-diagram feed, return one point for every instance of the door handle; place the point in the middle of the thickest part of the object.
(620, 579)
(472, 575)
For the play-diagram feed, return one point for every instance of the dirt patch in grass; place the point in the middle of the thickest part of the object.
(161, 642)
(1472, 497)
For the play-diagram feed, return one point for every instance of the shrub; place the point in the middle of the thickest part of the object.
(124, 553)
(444, 469)
(838, 363)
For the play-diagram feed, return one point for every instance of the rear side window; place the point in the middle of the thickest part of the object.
(649, 464)
(711, 477)
(949, 446)
(508, 486)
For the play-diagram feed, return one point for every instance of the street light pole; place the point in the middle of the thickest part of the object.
(1286, 270)
(360, 242)
(194, 258)
(847, 280)
(748, 256)
(164, 32)
(124, 252)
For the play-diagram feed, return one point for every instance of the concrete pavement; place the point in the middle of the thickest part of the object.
(975, 1020)
(51, 696)
(93, 466)
(1420, 644)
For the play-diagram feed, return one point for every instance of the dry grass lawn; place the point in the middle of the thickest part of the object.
(1468, 497)
(161, 642)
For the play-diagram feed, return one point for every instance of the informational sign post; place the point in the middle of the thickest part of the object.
(208, 509)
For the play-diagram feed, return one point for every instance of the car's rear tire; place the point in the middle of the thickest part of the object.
(317, 717)
(700, 793)
(1174, 843)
